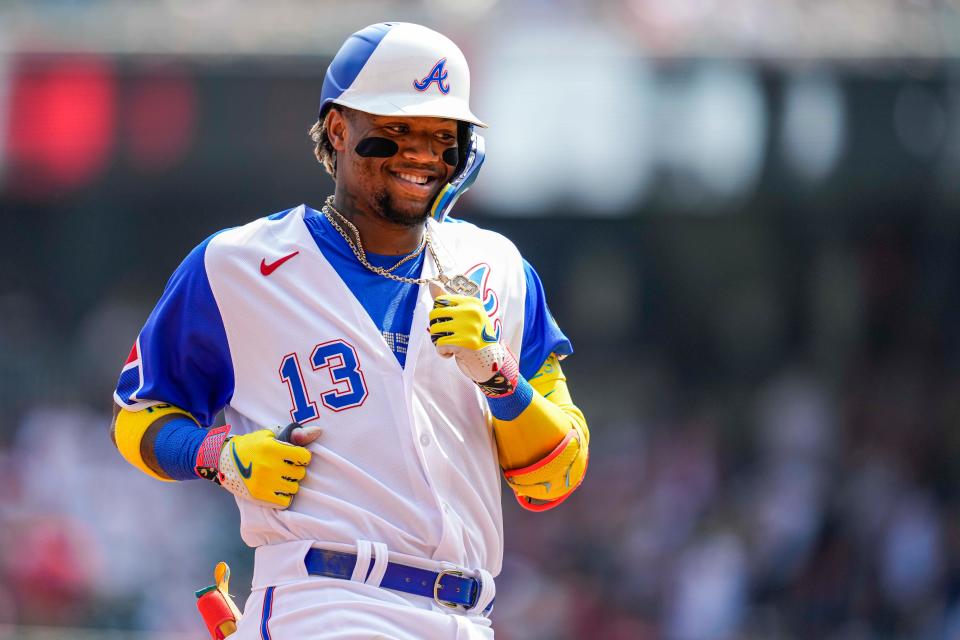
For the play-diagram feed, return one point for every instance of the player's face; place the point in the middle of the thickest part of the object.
(395, 166)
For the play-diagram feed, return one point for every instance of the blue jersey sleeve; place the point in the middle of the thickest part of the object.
(541, 335)
(181, 355)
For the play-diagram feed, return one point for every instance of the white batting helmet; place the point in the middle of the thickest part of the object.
(404, 69)
(400, 69)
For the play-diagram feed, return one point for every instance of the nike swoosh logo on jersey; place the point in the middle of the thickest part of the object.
(245, 471)
(486, 336)
(267, 269)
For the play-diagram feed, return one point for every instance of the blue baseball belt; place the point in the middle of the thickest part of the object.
(448, 587)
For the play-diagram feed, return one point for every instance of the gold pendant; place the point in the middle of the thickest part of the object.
(460, 285)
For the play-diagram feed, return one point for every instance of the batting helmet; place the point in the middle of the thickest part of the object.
(403, 69)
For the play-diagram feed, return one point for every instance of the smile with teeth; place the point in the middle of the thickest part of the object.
(409, 177)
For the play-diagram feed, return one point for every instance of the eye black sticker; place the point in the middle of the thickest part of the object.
(377, 148)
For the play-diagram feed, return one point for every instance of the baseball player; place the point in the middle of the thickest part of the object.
(412, 356)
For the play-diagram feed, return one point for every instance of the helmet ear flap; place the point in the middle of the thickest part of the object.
(464, 133)
(466, 173)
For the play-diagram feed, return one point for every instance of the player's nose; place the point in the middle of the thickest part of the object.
(421, 149)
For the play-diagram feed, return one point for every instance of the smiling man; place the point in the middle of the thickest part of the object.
(376, 511)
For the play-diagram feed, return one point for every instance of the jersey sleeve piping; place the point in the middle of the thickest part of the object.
(130, 382)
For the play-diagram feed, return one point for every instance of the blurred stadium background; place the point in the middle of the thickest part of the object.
(747, 217)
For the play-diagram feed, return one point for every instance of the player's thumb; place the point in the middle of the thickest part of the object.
(302, 436)
(296, 435)
(436, 290)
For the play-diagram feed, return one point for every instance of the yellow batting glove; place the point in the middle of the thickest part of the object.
(262, 466)
(460, 327)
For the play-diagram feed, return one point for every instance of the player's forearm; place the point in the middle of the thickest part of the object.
(536, 431)
(530, 427)
(167, 443)
(542, 438)
(163, 441)
(543, 448)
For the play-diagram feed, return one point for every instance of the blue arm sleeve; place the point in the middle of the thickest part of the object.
(541, 335)
(181, 356)
(175, 448)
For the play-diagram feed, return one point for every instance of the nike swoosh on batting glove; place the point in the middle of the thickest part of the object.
(263, 466)
(460, 327)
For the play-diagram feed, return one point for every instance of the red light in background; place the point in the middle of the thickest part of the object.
(62, 115)
(161, 114)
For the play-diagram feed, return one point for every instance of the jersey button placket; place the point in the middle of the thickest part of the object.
(424, 440)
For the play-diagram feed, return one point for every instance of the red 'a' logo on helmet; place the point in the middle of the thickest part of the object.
(437, 74)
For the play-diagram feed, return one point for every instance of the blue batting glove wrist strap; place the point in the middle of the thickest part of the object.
(176, 446)
(509, 407)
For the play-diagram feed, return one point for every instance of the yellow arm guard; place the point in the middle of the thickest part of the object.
(544, 451)
(129, 427)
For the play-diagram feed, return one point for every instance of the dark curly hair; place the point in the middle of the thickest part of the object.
(323, 149)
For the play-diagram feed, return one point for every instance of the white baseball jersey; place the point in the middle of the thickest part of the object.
(272, 322)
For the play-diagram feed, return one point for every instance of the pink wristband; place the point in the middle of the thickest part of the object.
(208, 456)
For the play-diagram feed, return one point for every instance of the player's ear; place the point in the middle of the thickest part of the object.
(336, 125)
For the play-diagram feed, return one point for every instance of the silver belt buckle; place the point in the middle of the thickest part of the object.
(437, 587)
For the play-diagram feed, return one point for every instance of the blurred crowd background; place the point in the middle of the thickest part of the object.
(747, 217)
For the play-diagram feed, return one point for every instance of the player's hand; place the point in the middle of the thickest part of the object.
(460, 327)
(265, 466)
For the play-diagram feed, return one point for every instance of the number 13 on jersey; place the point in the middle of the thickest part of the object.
(347, 387)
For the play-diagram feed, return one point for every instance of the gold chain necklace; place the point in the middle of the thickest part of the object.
(329, 211)
(458, 284)
(357, 248)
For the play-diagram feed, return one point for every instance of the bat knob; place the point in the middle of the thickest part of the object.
(287, 432)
